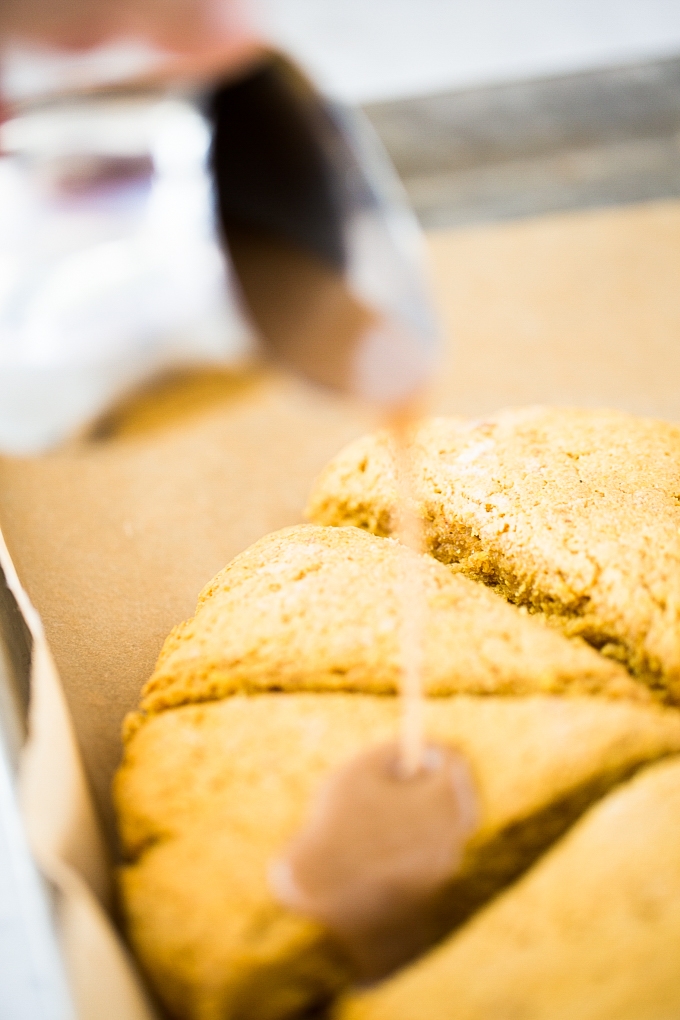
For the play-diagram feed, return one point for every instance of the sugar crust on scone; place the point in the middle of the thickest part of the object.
(572, 513)
(317, 608)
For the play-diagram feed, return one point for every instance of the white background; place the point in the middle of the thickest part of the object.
(363, 50)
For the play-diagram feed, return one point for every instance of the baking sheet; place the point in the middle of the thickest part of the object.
(114, 535)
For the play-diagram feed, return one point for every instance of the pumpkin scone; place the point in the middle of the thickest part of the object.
(572, 513)
(317, 608)
(208, 795)
(592, 931)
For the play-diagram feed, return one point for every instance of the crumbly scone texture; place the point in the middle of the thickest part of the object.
(572, 513)
(592, 931)
(208, 794)
(317, 608)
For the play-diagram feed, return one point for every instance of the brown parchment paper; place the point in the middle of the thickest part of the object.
(113, 536)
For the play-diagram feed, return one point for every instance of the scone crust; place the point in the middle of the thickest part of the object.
(572, 513)
(317, 608)
(209, 794)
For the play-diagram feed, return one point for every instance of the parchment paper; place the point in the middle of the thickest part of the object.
(114, 535)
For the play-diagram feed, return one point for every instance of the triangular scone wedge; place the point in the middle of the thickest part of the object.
(312, 608)
(208, 795)
(592, 931)
(572, 513)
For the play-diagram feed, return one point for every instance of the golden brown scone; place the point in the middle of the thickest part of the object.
(208, 794)
(313, 608)
(573, 513)
(591, 932)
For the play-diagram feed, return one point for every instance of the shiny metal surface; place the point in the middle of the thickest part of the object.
(111, 269)
(326, 249)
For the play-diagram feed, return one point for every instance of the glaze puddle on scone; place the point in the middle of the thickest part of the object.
(572, 513)
(377, 850)
(592, 931)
